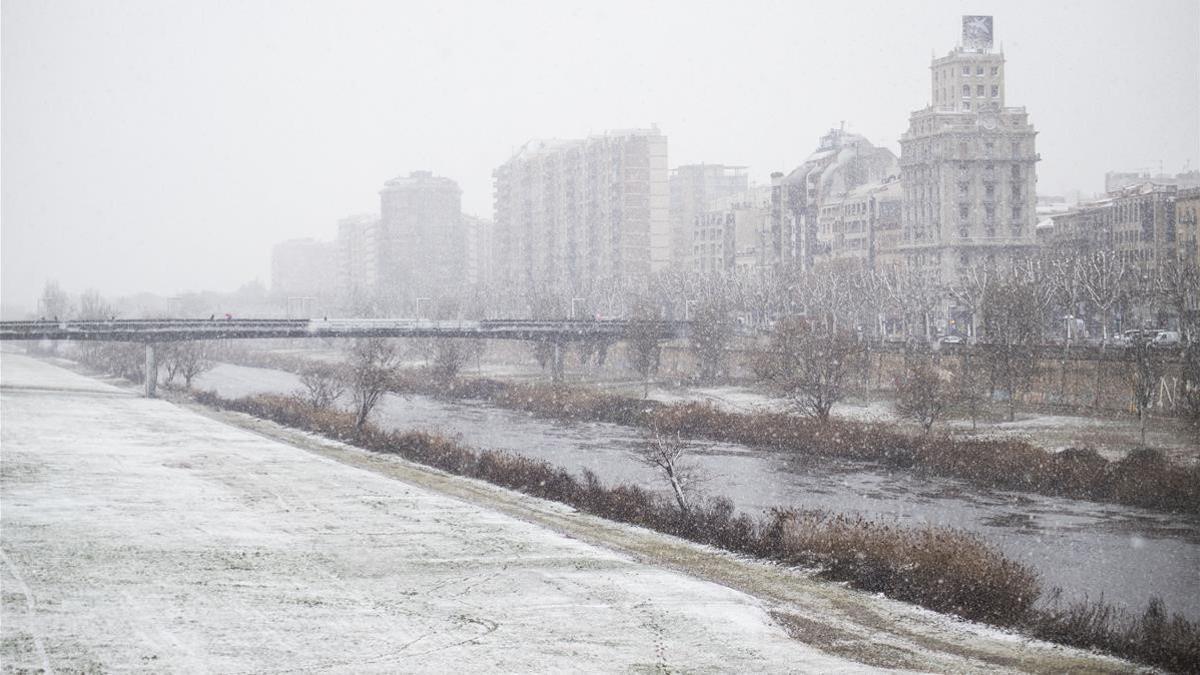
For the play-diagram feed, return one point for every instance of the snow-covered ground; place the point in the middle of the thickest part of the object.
(138, 535)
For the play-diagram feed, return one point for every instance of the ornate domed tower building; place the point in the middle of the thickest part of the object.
(968, 165)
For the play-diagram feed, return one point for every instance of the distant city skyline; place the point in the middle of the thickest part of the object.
(165, 147)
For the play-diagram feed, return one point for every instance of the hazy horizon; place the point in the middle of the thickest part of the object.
(166, 146)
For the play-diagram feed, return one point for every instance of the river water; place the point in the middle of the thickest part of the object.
(1090, 550)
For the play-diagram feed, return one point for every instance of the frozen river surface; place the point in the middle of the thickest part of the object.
(1121, 554)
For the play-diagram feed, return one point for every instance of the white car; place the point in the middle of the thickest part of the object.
(1166, 338)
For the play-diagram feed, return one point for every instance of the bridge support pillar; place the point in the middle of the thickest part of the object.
(151, 370)
(556, 368)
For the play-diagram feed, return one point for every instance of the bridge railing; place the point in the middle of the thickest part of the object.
(167, 330)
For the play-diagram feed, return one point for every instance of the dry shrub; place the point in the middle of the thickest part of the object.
(945, 570)
(1172, 643)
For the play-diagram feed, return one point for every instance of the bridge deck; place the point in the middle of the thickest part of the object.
(171, 330)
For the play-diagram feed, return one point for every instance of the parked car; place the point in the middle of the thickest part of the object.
(952, 340)
(1166, 338)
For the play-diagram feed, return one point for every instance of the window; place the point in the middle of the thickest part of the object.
(964, 259)
(995, 90)
(962, 149)
(967, 70)
(964, 211)
(979, 71)
(989, 189)
(995, 70)
(1016, 148)
(966, 91)
(962, 188)
(979, 90)
(1016, 213)
(1016, 172)
(989, 214)
(962, 232)
(988, 148)
(966, 105)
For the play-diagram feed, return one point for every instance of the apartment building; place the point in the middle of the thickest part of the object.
(694, 187)
(420, 242)
(1139, 222)
(728, 233)
(572, 213)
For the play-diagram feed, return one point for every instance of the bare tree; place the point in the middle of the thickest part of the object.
(192, 358)
(1178, 285)
(321, 386)
(55, 303)
(1102, 280)
(667, 452)
(972, 289)
(810, 365)
(969, 384)
(448, 358)
(1144, 370)
(369, 374)
(711, 332)
(1012, 321)
(93, 307)
(921, 393)
(643, 343)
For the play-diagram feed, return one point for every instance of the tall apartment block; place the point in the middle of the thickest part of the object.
(694, 188)
(570, 214)
(420, 245)
(355, 264)
(967, 163)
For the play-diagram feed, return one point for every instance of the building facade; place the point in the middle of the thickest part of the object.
(968, 167)
(420, 242)
(573, 213)
(1138, 222)
(728, 233)
(842, 162)
(479, 258)
(862, 226)
(302, 268)
(1187, 208)
(355, 264)
(694, 187)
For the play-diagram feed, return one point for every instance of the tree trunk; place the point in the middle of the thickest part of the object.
(678, 489)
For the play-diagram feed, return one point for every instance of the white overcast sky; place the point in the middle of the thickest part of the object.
(165, 146)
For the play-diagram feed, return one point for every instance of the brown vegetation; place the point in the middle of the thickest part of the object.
(938, 568)
(1144, 478)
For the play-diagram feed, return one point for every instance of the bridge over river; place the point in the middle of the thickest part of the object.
(157, 331)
